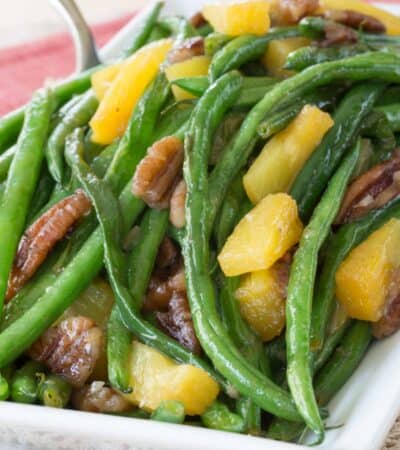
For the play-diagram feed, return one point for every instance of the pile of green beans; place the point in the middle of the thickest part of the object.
(47, 153)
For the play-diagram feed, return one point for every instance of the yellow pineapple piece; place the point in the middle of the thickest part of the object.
(277, 53)
(156, 378)
(138, 71)
(391, 21)
(193, 67)
(262, 302)
(102, 79)
(283, 156)
(238, 17)
(364, 277)
(262, 237)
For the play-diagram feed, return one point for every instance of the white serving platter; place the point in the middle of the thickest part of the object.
(366, 406)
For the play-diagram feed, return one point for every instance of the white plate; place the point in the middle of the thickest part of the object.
(366, 406)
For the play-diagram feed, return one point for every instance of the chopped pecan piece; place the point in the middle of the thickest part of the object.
(177, 205)
(167, 254)
(390, 321)
(96, 397)
(290, 12)
(337, 34)
(40, 238)
(198, 20)
(372, 190)
(70, 349)
(158, 173)
(188, 49)
(355, 20)
(177, 322)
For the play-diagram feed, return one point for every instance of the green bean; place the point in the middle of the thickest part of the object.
(5, 161)
(389, 96)
(4, 388)
(392, 113)
(101, 162)
(309, 56)
(205, 30)
(119, 347)
(21, 181)
(108, 215)
(172, 120)
(344, 361)
(201, 295)
(24, 383)
(41, 195)
(152, 230)
(246, 341)
(142, 34)
(331, 342)
(179, 27)
(11, 124)
(218, 417)
(378, 65)
(377, 127)
(300, 293)
(170, 411)
(337, 248)
(77, 116)
(158, 32)
(54, 391)
(245, 48)
(215, 42)
(254, 88)
(318, 169)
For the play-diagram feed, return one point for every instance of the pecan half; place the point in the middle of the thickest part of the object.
(290, 12)
(390, 321)
(355, 20)
(70, 349)
(177, 205)
(40, 238)
(337, 34)
(198, 20)
(372, 190)
(188, 49)
(96, 397)
(177, 322)
(158, 173)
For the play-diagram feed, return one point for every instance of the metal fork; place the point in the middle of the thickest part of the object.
(86, 54)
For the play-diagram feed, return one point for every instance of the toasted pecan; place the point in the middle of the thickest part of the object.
(188, 49)
(177, 322)
(354, 19)
(70, 349)
(198, 20)
(96, 397)
(158, 173)
(40, 238)
(337, 34)
(290, 12)
(371, 190)
(177, 205)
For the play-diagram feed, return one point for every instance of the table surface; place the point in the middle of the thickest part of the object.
(24, 20)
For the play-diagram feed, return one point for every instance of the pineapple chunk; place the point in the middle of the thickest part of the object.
(262, 302)
(102, 79)
(277, 53)
(391, 22)
(193, 67)
(238, 17)
(282, 158)
(364, 277)
(138, 71)
(156, 378)
(263, 236)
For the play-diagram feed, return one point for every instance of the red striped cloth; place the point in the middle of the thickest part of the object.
(24, 68)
